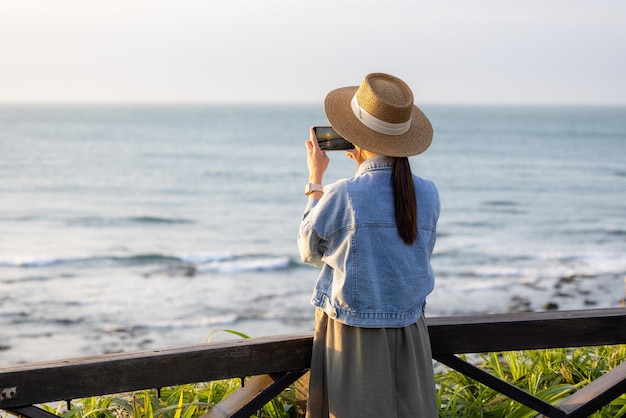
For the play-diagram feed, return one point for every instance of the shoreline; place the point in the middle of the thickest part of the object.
(570, 292)
(574, 292)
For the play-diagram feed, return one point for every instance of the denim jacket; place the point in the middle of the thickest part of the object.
(370, 277)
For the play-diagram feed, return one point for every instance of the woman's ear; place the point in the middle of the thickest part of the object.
(353, 154)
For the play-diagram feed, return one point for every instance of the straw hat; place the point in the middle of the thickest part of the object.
(379, 116)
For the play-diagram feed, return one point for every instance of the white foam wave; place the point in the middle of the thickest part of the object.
(456, 285)
(42, 261)
(200, 262)
(545, 270)
(242, 265)
(591, 264)
(200, 258)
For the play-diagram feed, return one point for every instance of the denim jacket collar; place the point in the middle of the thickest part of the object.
(375, 163)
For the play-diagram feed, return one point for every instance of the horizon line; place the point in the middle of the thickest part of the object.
(289, 103)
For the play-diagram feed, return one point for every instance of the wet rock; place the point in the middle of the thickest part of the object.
(573, 277)
(519, 304)
(566, 279)
(563, 295)
(550, 306)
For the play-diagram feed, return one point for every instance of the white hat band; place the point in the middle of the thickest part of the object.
(376, 124)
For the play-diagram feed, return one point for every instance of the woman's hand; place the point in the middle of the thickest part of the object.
(316, 159)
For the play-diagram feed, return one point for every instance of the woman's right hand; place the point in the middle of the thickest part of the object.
(317, 160)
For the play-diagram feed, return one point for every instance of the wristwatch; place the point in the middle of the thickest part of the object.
(312, 187)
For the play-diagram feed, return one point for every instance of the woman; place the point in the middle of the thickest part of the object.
(373, 236)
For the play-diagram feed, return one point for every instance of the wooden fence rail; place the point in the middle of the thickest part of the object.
(278, 361)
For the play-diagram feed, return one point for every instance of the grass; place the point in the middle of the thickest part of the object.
(550, 375)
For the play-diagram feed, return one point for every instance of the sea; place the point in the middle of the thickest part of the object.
(128, 227)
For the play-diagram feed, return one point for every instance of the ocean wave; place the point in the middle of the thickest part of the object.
(619, 173)
(198, 258)
(187, 264)
(615, 232)
(11, 280)
(245, 264)
(159, 220)
(190, 323)
(611, 230)
(34, 262)
(139, 259)
(133, 259)
(547, 267)
(500, 203)
(122, 221)
(462, 286)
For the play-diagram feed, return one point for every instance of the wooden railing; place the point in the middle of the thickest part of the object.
(277, 362)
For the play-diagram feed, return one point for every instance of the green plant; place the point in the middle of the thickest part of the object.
(550, 375)
(185, 401)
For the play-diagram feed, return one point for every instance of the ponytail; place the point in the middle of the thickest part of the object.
(404, 200)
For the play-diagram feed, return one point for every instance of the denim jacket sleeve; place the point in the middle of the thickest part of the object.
(310, 244)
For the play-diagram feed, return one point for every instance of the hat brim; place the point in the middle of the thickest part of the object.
(339, 113)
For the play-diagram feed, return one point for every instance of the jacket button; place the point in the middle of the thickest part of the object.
(333, 314)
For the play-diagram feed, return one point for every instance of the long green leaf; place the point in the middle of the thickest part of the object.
(179, 409)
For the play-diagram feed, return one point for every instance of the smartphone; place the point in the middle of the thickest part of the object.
(330, 140)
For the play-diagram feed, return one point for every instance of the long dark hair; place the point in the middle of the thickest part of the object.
(404, 200)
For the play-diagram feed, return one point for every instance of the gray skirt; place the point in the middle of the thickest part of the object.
(371, 372)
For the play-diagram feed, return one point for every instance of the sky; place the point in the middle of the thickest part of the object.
(295, 51)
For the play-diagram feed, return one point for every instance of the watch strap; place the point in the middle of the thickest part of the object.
(313, 187)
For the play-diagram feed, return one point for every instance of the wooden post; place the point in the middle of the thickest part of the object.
(302, 394)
